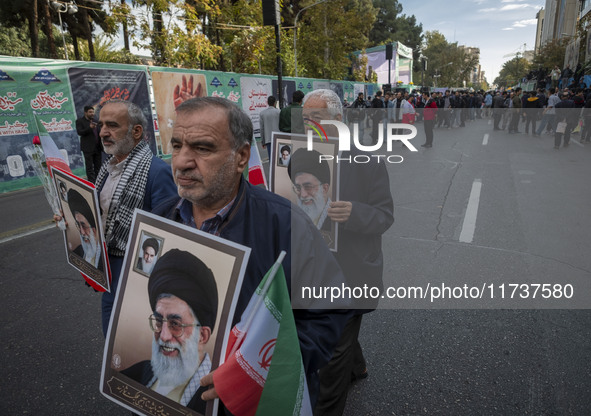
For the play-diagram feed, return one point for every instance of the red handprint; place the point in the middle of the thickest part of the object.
(185, 92)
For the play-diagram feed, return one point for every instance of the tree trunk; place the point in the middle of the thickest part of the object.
(48, 29)
(87, 31)
(34, 29)
(125, 32)
(76, 50)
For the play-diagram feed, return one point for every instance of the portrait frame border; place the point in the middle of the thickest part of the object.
(131, 394)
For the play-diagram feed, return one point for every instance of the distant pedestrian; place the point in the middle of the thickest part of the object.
(429, 113)
(90, 145)
(269, 121)
(566, 120)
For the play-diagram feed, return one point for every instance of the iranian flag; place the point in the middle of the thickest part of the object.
(53, 156)
(254, 173)
(264, 374)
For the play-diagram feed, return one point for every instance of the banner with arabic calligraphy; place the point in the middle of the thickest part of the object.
(59, 90)
(96, 86)
(255, 91)
(46, 91)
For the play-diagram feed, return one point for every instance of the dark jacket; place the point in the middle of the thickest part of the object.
(89, 142)
(367, 187)
(291, 119)
(566, 111)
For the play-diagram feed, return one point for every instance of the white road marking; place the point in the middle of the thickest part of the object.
(26, 233)
(469, 225)
(485, 140)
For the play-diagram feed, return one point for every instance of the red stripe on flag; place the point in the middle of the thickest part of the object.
(242, 401)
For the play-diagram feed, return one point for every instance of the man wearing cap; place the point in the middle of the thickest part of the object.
(211, 147)
(184, 300)
(148, 259)
(90, 244)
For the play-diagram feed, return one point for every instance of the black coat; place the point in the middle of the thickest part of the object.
(89, 143)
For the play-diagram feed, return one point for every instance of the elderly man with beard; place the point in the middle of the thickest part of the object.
(89, 248)
(148, 259)
(211, 146)
(184, 300)
(311, 183)
(131, 178)
(364, 212)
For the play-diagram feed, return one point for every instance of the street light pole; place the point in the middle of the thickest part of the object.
(69, 8)
(295, 34)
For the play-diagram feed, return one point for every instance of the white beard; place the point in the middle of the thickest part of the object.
(147, 267)
(90, 249)
(174, 371)
(315, 209)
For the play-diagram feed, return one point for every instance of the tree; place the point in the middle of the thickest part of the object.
(104, 51)
(512, 71)
(552, 53)
(449, 64)
(329, 33)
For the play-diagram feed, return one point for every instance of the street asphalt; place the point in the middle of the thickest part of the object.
(481, 356)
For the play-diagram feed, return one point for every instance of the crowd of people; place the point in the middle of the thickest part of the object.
(558, 112)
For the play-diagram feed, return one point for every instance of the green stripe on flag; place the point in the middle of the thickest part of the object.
(284, 387)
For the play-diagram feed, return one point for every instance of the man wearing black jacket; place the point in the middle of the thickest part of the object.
(363, 212)
(565, 113)
(89, 143)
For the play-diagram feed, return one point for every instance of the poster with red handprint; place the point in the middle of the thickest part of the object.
(170, 90)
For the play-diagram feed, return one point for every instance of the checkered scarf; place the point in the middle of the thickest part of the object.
(128, 196)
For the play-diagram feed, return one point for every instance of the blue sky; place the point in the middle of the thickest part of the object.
(498, 27)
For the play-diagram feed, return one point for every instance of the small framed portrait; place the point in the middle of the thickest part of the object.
(148, 253)
(62, 190)
(310, 180)
(283, 154)
(170, 326)
(84, 237)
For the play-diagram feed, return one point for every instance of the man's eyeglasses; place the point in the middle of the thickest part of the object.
(175, 326)
(308, 187)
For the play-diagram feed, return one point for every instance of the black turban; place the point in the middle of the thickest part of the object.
(183, 275)
(78, 203)
(308, 161)
(286, 147)
(151, 242)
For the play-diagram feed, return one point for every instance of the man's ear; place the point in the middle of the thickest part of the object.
(243, 155)
(137, 132)
(204, 334)
(325, 187)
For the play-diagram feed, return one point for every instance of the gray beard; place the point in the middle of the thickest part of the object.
(174, 371)
(90, 249)
(314, 210)
(147, 267)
